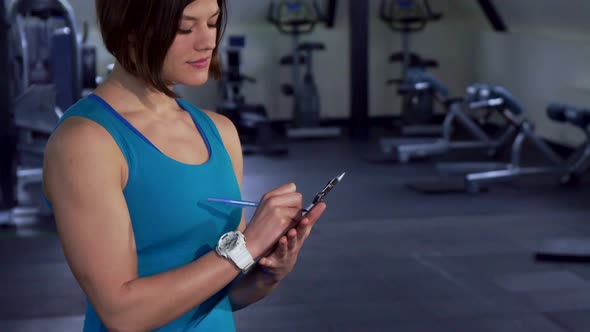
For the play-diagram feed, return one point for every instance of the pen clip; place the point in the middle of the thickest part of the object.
(319, 197)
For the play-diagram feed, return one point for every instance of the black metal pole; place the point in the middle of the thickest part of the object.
(331, 13)
(493, 15)
(8, 139)
(359, 69)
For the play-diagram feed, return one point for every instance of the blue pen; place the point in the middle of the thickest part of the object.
(318, 198)
(233, 202)
(247, 203)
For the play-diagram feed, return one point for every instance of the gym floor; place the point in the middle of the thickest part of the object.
(383, 258)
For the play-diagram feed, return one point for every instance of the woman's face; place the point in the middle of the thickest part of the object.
(189, 57)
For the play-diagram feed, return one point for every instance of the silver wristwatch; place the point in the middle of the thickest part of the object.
(232, 245)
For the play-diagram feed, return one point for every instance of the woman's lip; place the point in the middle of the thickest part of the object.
(200, 63)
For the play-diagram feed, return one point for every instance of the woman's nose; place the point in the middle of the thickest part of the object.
(206, 38)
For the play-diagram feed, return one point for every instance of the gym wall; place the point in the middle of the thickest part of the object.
(265, 45)
(86, 12)
(447, 41)
(544, 58)
(452, 42)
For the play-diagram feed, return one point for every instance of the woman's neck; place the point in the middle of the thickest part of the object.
(133, 94)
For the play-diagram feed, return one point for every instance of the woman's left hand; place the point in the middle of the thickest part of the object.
(279, 263)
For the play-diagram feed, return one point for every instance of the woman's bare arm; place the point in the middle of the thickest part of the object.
(257, 284)
(84, 174)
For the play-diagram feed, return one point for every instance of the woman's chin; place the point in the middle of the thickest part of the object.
(192, 82)
(195, 80)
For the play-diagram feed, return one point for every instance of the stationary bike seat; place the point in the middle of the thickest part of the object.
(415, 60)
(310, 46)
(287, 60)
(566, 113)
(480, 92)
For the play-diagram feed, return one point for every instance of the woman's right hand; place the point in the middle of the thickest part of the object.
(279, 210)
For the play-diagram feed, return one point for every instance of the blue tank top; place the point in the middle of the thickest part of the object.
(172, 221)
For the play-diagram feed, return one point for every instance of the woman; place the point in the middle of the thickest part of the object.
(128, 172)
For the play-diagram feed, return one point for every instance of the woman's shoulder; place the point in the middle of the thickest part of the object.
(226, 128)
(80, 136)
(222, 122)
(77, 151)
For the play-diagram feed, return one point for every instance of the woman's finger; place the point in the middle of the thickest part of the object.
(282, 248)
(316, 212)
(305, 226)
(265, 261)
(303, 229)
(284, 189)
(292, 239)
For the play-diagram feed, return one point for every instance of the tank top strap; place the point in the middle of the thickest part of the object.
(91, 108)
(205, 123)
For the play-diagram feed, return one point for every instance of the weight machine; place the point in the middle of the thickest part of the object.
(50, 66)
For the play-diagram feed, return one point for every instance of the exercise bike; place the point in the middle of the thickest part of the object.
(568, 170)
(296, 18)
(475, 177)
(251, 120)
(480, 140)
(417, 106)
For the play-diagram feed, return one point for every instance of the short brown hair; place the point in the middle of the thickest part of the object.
(122, 21)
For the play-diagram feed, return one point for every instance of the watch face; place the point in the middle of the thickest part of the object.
(230, 241)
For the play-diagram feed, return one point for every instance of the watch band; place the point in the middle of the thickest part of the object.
(242, 258)
(239, 254)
